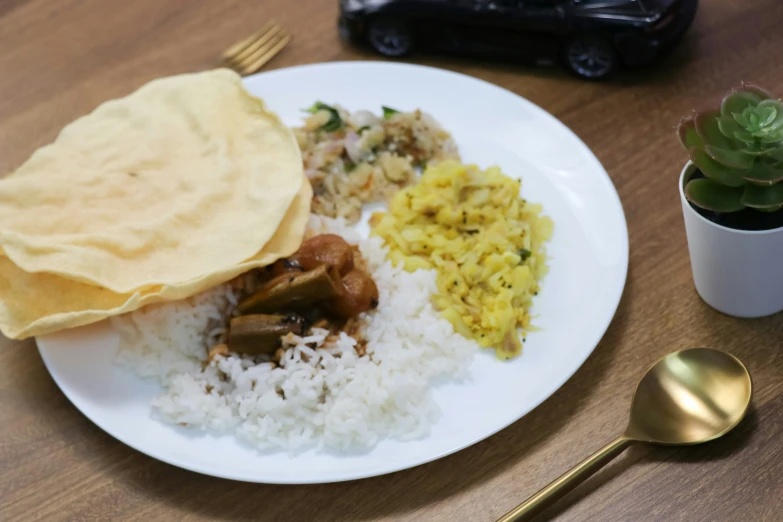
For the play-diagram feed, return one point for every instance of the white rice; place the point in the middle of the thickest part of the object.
(327, 396)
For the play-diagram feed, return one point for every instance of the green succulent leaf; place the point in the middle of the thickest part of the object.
(754, 149)
(756, 117)
(767, 114)
(746, 137)
(729, 127)
(763, 198)
(764, 174)
(709, 129)
(731, 158)
(771, 119)
(711, 195)
(742, 118)
(771, 141)
(746, 133)
(716, 171)
(686, 130)
(761, 122)
(737, 101)
(766, 105)
(775, 154)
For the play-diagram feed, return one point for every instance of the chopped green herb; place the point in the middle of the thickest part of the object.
(348, 165)
(334, 123)
(362, 129)
(317, 106)
(388, 112)
(524, 253)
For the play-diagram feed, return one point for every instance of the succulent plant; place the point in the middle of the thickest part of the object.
(739, 149)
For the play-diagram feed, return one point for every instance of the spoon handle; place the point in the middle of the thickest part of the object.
(530, 508)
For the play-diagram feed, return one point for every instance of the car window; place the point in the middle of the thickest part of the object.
(497, 3)
(611, 3)
(541, 4)
(513, 4)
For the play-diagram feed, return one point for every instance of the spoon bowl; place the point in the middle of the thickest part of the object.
(688, 397)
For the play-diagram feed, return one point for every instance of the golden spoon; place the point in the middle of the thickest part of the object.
(688, 397)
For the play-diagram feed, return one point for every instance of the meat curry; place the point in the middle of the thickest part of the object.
(322, 285)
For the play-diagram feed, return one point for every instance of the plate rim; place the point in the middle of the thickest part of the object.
(615, 299)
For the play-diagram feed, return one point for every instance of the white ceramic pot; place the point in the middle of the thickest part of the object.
(737, 272)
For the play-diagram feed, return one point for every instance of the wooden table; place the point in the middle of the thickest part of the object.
(59, 60)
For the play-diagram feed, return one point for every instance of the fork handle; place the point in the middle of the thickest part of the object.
(533, 506)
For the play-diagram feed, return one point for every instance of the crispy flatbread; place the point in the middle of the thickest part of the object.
(183, 180)
(34, 304)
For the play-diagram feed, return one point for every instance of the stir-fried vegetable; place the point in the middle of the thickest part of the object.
(369, 158)
(388, 112)
(334, 123)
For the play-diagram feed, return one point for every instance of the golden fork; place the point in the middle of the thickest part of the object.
(249, 55)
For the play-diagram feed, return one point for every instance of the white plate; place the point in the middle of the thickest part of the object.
(492, 126)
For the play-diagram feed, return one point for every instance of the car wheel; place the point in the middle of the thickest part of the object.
(390, 38)
(591, 57)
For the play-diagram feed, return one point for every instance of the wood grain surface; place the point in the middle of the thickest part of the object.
(59, 60)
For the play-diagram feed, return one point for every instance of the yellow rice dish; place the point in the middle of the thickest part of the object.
(485, 242)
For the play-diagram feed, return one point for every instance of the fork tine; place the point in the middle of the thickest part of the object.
(232, 51)
(260, 58)
(260, 43)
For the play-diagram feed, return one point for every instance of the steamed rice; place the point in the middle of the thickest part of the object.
(323, 393)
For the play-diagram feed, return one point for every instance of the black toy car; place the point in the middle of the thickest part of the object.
(592, 37)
